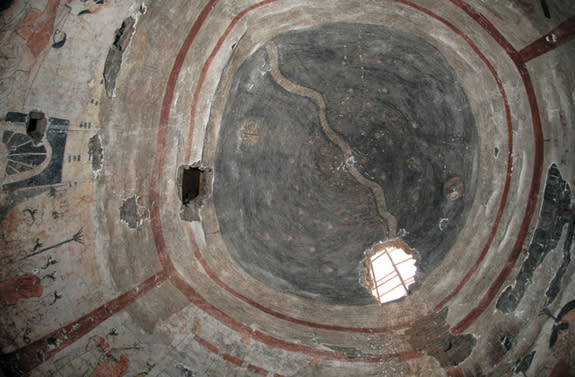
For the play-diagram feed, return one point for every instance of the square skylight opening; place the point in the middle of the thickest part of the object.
(390, 270)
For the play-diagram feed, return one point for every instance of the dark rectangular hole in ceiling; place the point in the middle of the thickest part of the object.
(36, 125)
(191, 182)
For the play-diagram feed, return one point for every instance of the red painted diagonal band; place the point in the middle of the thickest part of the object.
(29, 357)
(550, 41)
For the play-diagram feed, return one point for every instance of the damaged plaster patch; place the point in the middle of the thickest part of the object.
(431, 335)
(555, 286)
(555, 213)
(195, 183)
(122, 39)
(132, 213)
(96, 153)
(114, 58)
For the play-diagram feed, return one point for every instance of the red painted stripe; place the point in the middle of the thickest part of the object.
(155, 185)
(209, 346)
(535, 178)
(555, 38)
(34, 354)
(207, 269)
(207, 65)
(486, 25)
(195, 298)
(180, 283)
(257, 370)
(233, 360)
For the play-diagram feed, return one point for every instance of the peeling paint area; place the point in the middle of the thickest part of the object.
(132, 213)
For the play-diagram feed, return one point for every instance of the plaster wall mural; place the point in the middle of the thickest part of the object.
(222, 188)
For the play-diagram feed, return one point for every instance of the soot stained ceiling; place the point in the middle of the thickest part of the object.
(302, 189)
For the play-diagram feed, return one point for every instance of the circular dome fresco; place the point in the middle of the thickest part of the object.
(314, 136)
(334, 138)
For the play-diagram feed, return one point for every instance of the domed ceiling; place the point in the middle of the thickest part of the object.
(334, 138)
(197, 189)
